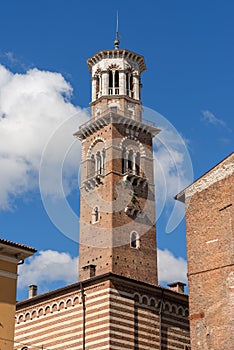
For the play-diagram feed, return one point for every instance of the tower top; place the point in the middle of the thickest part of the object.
(116, 42)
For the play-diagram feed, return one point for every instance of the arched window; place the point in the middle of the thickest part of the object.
(95, 215)
(113, 82)
(129, 84)
(134, 240)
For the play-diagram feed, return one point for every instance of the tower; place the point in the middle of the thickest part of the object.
(117, 202)
(117, 303)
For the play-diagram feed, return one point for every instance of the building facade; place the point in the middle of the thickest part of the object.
(209, 232)
(117, 303)
(11, 255)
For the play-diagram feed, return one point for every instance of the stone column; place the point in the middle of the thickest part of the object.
(122, 83)
(136, 90)
(105, 83)
(94, 88)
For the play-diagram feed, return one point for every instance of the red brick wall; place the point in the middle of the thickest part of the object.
(209, 220)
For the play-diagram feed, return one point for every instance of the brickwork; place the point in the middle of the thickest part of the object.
(114, 313)
(106, 243)
(210, 222)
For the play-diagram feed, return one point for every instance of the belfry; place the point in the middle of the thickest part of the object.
(117, 205)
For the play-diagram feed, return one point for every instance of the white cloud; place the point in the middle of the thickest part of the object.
(212, 119)
(170, 268)
(32, 106)
(46, 267)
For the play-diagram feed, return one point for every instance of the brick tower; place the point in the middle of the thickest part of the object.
(117, 205)
(209, 233)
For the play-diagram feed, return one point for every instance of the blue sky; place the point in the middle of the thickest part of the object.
(189, 52)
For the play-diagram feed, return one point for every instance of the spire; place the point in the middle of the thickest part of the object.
(116, 42)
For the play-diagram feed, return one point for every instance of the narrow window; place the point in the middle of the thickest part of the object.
(116, 74)
(130, 161)
(95, 215)
(97, 87)
(110, 83)
(99, 163)
(124, 161)
(134, 240)
(137, 164)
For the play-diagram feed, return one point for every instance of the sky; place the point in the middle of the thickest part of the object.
(188, 91)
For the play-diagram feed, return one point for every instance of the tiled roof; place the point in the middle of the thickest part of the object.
(17, 245)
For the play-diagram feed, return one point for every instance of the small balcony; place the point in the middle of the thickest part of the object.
(93, 182)
(135, 178)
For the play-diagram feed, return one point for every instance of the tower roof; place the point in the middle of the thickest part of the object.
(117, 53)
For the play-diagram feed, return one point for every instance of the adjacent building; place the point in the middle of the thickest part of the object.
(11, 255)
(209, 232)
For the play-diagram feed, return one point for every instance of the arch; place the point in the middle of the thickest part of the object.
(20, 318)
(180, 311)
(47, 310)
(34, 314)
(27, 316)
(145, 300)
(174, 309)
(134, 240)
(76, 300)
(167, 307)
(61, 305)
(113, 80)
(40, 312)
(68, 303)
(93, 144)
(54, 307)
(152, 302)
(136, 297)
(96, 157)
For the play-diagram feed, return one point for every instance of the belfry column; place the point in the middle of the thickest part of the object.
(122, 83)
(105, 82)
(136, 90)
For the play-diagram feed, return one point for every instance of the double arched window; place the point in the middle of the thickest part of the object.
(134, 240)
(97, 163)
(113, 82)
(130, 162)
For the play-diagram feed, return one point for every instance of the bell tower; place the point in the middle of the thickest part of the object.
(117, 202)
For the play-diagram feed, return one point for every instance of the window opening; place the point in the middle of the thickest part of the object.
(134, 240)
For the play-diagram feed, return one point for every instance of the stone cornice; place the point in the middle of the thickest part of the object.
(123, 53)
(92, 126)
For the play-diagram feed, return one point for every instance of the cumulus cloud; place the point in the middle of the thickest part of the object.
(210, 118)
(46, 267)
(32, 106)
(170, 268)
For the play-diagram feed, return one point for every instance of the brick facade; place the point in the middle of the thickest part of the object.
(210, 222)
(114, 313)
